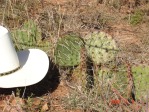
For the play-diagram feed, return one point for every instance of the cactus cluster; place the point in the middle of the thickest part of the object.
(67, 50)
(100, 46)
(119, 80)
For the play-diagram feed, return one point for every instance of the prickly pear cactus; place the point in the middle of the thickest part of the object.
(141, 81)
(28, 36)
(118, 79)
(67, 51)
(100, 47)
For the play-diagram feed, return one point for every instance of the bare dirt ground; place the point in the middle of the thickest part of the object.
(83, 17)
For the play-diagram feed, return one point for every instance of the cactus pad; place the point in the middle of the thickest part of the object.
(28, 36)
(67, 51)
(100, 47)
(141, 81)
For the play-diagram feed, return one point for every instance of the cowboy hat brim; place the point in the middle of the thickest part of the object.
(34, 65)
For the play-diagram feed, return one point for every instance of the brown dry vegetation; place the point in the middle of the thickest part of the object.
(126, 20)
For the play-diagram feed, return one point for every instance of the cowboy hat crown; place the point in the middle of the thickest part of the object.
(22, 68)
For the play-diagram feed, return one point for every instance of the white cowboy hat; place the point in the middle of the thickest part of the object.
(22, 68)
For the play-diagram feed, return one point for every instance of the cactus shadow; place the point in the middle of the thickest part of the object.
(46, 85)
(90, 74)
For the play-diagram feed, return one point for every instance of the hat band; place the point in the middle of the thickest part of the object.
(12, 71)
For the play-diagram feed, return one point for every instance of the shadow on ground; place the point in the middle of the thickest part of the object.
(48, 84)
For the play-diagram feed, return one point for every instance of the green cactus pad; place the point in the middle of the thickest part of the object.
(67, 51)
(118, 79)
(28, 36)
(141, 80)
(101, 48)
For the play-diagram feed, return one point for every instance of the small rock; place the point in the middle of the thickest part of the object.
(45, 107)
